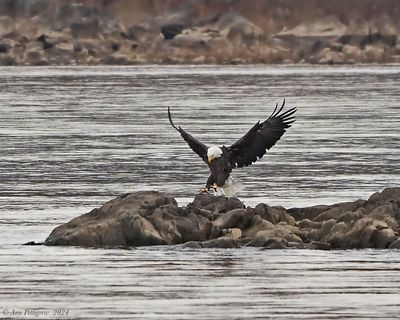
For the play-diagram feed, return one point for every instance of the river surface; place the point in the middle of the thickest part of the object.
(72, 138)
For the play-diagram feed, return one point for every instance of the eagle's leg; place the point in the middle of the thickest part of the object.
(209, 185)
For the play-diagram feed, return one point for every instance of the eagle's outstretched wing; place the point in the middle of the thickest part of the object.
(261, 137)
(194, 144)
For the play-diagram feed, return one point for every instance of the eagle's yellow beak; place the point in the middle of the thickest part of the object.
(210, 158)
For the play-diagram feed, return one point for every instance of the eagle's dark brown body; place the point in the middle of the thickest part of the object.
(220, 169)
(247, 150)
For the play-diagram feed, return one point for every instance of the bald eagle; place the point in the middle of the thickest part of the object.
(247, 150)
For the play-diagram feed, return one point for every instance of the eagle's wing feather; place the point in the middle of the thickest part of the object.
(197, 146)
(261, 137)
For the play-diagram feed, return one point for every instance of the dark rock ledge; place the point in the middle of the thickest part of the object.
(153, 218)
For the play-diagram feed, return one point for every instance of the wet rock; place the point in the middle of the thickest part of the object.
(395, 244)
(219, 243)
(319, 245)
(277, 232)
(230, 238)
(335, 210)
(274, 214)
(269, 241)
(382, 238)
(33, 243)
(307, 213)
(216, 204)
(388, 195)
(257, 224)
(141, 218)
(308, 234)
(351, 216)
(153, 218)
(239, 218)
(275, 243)
(361, 234)
(306, 223)
(326, 227)
(340, 227)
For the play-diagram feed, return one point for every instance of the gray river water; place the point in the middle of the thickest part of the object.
(72, 138)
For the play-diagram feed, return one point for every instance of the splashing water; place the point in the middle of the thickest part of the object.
(230, 188)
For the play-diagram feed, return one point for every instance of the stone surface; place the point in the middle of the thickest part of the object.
(196, 32)
(154, 218)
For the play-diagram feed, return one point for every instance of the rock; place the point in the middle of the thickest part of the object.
(277, 232)
(257, 224)
(310, 234)
(375, 53)
(328, 26)
(327, 227)
(153, 218)
(364, 234)
(307, 213)
(340, 227)
(35, 58)
(171, 30)
(141, 218)
(7, 60)
(33, 243)
(6, 24)
(395, 244)
(44, 41)
(230, 239)
(219, 204)
(306, 223)
(117, 59)
(3, 48)
(351, 216)
(319, 245)
(235, 27)
(269, 242)
(220, 243)
(388, 195)
(239, 218)
(382, 238)
(336, 210)
(353, 52)
(273, 214)
(275, 243)
(85, 28)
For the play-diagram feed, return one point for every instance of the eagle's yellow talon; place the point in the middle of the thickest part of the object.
(204, 190)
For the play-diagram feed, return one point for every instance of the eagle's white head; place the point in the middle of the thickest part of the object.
(213, 153)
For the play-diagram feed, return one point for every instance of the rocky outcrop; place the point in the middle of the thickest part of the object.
(154, 218)
(194, 32)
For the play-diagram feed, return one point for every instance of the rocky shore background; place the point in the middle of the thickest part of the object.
(122, 32)
(154, 218)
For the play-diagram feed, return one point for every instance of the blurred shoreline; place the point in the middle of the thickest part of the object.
(107, 32)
